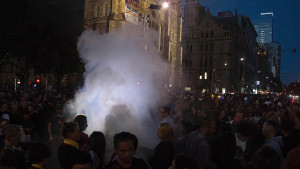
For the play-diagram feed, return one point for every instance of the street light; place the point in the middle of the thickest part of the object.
(165, 5)
(242, 59)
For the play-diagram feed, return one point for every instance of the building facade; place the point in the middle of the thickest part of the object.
(219, 52)
(264, 28)
(107, 15)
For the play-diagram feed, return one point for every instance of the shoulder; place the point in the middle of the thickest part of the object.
(139, 163)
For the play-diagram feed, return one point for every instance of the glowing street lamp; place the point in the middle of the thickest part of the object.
(165, 5)
(242, 59)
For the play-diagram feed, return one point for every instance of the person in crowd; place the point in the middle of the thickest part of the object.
(292, 160)
(184, 162)
(2, 148)
(196, 144)
(96, 148)
(290, 136)
(164, 152)
(27, 123)
(81, 160)
(81, 119)
(269, 131)
(38, 155)
(236, 118)
(165, 115)
(15, 114)
(55, 125)
(125, 150)
(219, 118)
(70, 146)
(13, 155)
(265, 158)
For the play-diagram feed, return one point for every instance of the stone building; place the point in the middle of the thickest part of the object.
(107, 15)
(219, 52)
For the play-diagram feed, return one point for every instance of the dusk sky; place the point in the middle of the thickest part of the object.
(286, 27)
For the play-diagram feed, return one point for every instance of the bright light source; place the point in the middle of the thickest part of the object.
(18, 82)
(138, 83)
(165, 5)
(225, 64)
(242, 59)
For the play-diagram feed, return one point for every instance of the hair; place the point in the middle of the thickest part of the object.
(245, 128)
(266, 158)
(187, 127)
(234, 113)
(287, 125)
(273, 124)
(11, 130)
(37, 153)
(97, 143)
(185, 162)
(125, 136)
(68, 127)
(166, 109)
(81, 157)
(166, 132)
(81, 120)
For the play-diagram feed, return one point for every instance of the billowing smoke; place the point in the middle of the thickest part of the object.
(123, 79)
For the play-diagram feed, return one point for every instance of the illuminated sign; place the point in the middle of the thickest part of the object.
(267, 13)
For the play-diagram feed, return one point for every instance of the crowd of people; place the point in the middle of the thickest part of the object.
(195, 132)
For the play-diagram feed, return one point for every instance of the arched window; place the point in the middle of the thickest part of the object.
(97, 11)
(105, 7)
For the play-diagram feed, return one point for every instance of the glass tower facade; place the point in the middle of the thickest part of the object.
(264, 28)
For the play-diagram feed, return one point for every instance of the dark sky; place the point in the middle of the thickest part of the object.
(286, 26)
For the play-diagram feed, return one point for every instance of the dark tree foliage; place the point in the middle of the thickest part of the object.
(44, 32)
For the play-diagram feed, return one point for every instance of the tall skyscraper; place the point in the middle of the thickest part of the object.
(264, 28)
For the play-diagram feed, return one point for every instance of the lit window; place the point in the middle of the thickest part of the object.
(200, 77)
(205, 75)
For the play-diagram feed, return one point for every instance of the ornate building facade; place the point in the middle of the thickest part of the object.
(219, 52)
(107, 15)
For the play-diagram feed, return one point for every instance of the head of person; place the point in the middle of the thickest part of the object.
(81, 160)
(12, 134)
(97, 143)
(3, 106)
(30, 108)
(184, 162)
(38, 153)
(165, 132)
(270, 129)
(81, 119)
(243, 130)
(71, 131)
(164, 111)
(186, 127)
(292, 159)
(14, 107)
(265, 158)
(286, 126)
(124, 146)
(237, 117)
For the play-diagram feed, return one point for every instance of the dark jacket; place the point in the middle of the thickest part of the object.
(163, 156)
(65, 155)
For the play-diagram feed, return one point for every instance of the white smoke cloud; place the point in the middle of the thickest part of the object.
(122, 82)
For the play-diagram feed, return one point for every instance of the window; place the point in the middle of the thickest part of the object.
(201, 34)
(190, 63)
(97, 11)
(211, 47)
(201, 48)
(200, 77)
(212, 33)
(205, 75)
(206, 47)
(191, 48)
(210, 61)
(205, 61)
(206, 33)
(106, 10)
